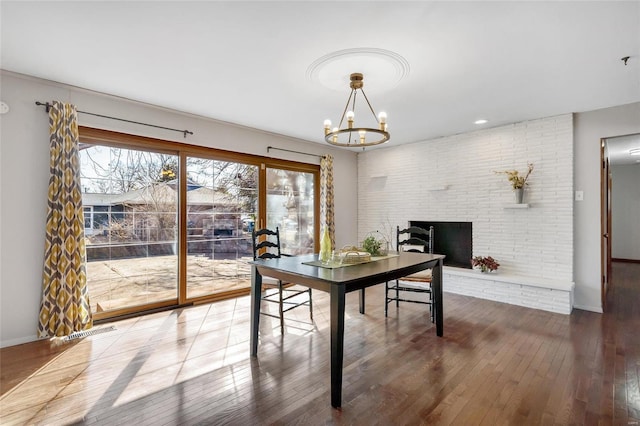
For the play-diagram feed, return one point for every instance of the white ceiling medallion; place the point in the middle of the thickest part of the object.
(384, 69)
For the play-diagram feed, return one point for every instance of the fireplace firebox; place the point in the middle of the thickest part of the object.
(453, 239)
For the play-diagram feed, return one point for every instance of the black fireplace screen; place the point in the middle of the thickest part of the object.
(453, 239)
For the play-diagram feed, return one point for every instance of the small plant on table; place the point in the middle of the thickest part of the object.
(374, 246)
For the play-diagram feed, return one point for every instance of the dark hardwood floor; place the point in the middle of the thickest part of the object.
(496, 364)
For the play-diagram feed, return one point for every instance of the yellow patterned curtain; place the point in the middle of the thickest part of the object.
(326, 197)
(64, 308)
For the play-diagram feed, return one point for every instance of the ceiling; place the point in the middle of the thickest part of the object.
(434, 67)
(618, 150)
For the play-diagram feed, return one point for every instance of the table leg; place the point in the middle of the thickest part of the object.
(436, 282)
(362, 301)
(256, 289)
(337, 343)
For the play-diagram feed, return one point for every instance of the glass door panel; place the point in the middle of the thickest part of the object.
(290, 207)
(222, 200)
(130, 201)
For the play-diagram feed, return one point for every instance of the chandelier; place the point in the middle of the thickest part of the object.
(352, 136)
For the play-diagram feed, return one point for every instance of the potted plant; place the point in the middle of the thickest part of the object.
(518, 181)
(375, 246)
(484, 264)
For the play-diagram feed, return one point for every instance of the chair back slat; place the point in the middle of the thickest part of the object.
(414, 244)
(267, 255)
(266, 231)
(266, 244)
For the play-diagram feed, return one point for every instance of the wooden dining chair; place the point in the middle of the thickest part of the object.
(266, 245)
(414, 239)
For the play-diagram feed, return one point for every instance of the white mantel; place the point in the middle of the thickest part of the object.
(532, 292)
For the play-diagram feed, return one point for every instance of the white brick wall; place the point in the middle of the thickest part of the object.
(403, 183)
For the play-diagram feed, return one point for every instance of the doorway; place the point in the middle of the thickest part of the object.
(620, 168)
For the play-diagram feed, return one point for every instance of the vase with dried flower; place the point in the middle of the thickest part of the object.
(518, 181)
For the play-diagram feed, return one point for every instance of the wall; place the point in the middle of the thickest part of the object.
(589, 128)
(625, 210)
(24, 178)
(452, 179)
(381, 171)
(24, 157)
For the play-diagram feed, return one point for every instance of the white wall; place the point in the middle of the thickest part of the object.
(24, 159)
(625, 212)
(403, 183)
(589, 128)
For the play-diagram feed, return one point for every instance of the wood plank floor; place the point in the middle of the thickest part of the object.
(496, 364)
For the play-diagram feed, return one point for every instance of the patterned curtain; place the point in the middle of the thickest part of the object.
(64, 308)
(326, 198)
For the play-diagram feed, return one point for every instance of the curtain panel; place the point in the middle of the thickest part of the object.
(64, 308)
(327, 215)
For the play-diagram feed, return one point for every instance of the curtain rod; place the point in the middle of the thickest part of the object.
(295, 152)
(184, 132)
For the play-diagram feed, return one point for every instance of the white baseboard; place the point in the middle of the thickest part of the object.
(597, 309)
(18, 341)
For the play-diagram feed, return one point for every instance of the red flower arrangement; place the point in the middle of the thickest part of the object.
(485, 264)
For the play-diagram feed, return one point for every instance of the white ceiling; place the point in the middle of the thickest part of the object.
(249, 62)
(618, 150)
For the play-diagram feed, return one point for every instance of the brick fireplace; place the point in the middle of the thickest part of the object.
(452, 179)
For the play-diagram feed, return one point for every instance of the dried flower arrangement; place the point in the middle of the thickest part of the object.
(484, 264)
(517, 181)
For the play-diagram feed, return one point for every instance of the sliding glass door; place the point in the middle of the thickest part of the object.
(169, 224)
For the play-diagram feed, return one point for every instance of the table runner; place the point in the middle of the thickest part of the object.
(334, 265)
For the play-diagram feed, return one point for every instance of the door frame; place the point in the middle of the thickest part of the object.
(605, 223)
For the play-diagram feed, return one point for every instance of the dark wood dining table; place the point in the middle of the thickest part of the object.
(338, 282)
